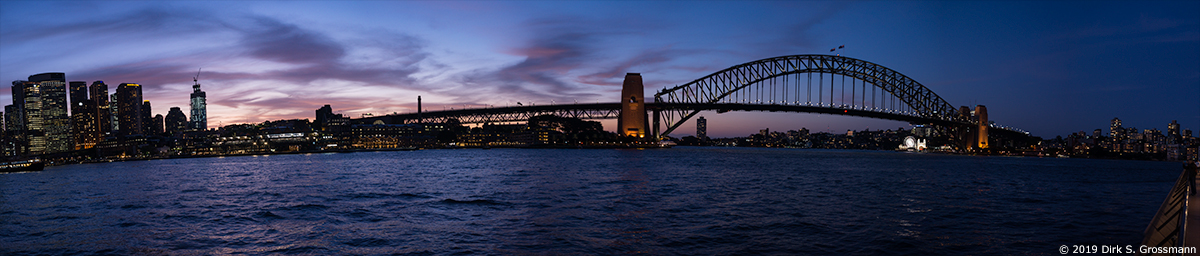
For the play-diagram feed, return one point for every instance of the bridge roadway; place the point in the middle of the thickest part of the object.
(594, 111)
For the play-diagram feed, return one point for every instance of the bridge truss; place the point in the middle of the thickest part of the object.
(807, 83)
(505, 114)
(797, 83)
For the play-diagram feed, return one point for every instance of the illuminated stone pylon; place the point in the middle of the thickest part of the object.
(633, 107)
(981, 114)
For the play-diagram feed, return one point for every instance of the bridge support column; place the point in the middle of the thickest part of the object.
(981, 113)
(655, 128)
(633, 107)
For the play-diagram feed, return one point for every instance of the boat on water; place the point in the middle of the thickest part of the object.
(30, 165)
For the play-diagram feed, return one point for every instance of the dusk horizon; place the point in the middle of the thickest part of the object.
(264, 62)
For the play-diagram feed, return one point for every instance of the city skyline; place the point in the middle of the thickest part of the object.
(1048, 74)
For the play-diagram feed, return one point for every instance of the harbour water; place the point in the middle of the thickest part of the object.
(685, 200)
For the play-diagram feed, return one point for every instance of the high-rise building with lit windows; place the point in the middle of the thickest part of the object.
(129, 110)
(1173, 132)
(27, 99)
(199, 118)
(57, 124)
(147, 119)
(103, 111)
(702, 128)
(156, 125)
(175, 122)
(42, 103)
(1114, 130)
(83, 117)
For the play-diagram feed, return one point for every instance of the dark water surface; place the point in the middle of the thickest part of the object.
(690, 201)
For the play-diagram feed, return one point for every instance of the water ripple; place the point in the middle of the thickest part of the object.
(689, 201)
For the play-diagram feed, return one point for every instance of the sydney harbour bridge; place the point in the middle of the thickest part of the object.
(825, 84)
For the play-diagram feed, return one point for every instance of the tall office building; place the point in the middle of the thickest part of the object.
(156, 125)
(79, 95)
(12, 120)
(28, 97)
(55, 115)
(114, 115)
(147, 119)
(199, 118)
(702, 128)
(42, 104)
(1173, 132)
(129, 109)
(83, 117)
(175, 122)
(103, 113)
(1114, 129)
(11, 132)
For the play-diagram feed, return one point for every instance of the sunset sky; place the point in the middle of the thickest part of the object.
(1051, 68)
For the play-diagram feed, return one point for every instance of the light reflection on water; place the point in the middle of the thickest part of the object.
(522, 201)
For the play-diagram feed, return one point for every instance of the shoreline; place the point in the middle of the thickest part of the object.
(643, 146)
(110, 160)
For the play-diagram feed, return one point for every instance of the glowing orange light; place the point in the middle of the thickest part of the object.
(845, 111)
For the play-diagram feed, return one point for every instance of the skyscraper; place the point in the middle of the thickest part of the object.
(12, 132)
(129, 109)
(175, 122)
(199, 107)
(54, 113)
(12, 120)
(1114, 130)
(702, 128)
(28, 97)
(156, 125)
(147, 119)
(103, 116)
(114, 115)
(1173, 132)
(83, 117)
(42, 103)
(79, 95)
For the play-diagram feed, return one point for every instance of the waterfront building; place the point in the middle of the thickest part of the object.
(129, 109)
(384, 136)
(702, 128)
(199, 118)
(175, 122)
(324, 114)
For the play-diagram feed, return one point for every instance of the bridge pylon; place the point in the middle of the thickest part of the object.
(633, 107)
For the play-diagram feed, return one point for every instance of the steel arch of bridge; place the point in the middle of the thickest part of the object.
(738, 83)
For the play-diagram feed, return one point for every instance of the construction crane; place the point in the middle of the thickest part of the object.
(196, 79)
